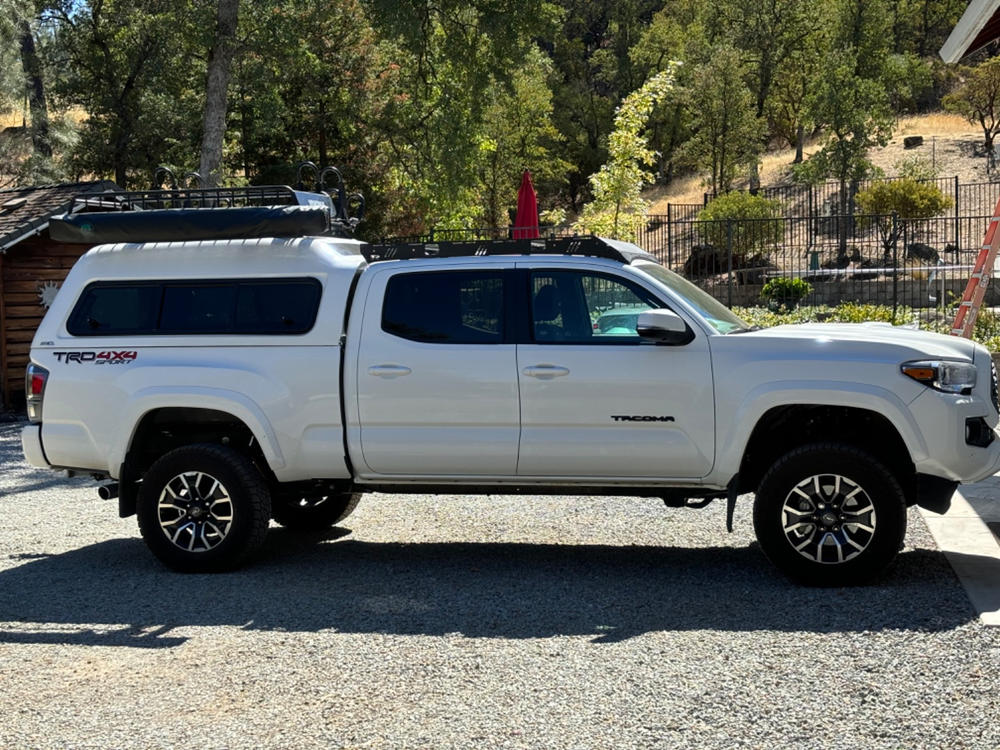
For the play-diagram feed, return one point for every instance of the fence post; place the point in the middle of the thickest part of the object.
(956, 213)
(895, 265)
(670, 243)
(729, 252)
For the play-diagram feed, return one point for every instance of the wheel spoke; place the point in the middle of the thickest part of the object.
(193, 521)
(849, 530)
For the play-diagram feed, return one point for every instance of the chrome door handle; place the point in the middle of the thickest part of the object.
(389, 371)
(545, 372)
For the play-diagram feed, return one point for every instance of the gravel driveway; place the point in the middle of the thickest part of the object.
(457, 622)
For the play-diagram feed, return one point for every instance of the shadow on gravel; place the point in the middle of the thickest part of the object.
(115, 594)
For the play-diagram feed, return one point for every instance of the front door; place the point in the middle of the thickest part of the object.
(437, 382)
(596, 400)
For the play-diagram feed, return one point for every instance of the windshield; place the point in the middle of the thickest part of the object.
(720, 317)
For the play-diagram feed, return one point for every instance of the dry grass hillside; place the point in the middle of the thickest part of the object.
(950, 143)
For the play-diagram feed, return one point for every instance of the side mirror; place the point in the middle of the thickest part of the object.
(664, 327)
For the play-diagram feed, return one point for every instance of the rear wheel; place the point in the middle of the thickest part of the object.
(314, 512)
(203, 508)
(829, 514)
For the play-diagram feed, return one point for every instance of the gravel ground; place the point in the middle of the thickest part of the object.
(456, 622)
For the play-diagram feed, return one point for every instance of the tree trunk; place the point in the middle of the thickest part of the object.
(40, 140)
(800, 137)
(216, 86)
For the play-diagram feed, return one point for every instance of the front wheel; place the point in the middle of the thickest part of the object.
(203, 508)
(831, 515)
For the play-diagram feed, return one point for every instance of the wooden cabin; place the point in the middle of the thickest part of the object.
(32, 268)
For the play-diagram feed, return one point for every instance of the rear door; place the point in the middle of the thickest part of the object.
(436, 374)
(596, 400)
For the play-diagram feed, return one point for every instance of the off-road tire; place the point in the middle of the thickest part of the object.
(313, 513)
(248, 504)
(802, 489)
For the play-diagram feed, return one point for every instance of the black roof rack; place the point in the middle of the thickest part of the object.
(598, 247)
(230, 197)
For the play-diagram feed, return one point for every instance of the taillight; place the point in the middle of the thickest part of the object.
(34, 389)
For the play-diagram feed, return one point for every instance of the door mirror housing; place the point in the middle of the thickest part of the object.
(664, 327)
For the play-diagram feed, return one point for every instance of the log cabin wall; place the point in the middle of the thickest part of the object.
(24, 269)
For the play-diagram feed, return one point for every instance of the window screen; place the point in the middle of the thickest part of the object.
(244, 307)
(447, 307)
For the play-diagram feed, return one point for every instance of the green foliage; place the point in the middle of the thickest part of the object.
(518, 134)
(857, 117)
(785, 293)
(618, 209)
(751, 223)
(977, 99)
(906, 197)
(892, 204)
(916, 168)
(728, 134)
(434, 108)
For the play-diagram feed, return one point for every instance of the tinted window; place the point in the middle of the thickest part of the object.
(277, 307)
(222, 307)
(104, 311)
(198, 309)
(447, 307)
(579, 307)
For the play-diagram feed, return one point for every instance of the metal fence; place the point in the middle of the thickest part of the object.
(824, 199)
(921, 266)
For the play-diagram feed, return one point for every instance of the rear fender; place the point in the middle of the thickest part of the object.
(219, 399)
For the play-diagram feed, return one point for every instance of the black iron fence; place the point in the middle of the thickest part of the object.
(825, 198)
(922, 266)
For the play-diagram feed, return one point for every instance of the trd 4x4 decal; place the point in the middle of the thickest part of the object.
(97, 358)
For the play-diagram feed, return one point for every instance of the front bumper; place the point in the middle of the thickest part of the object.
(31, 444)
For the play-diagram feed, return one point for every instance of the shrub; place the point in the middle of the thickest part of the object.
(785, 294)
(755, 223)
(906, 197)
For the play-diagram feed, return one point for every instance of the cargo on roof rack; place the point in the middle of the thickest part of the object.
(598, 247)
(183, 224)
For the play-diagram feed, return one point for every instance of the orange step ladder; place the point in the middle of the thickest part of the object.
(975, 290)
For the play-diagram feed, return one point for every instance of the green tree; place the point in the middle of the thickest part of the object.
(594, 72)
(128, 66)
(787, 108)
(895, 204)
(518, 134)
(767, 33)
(446, 55)
(977, 99)
(676, 32)
(858, 117)
(728, 136)
(618, 209)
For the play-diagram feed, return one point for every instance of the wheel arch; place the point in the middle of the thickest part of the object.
(783, 428)
(211, 408)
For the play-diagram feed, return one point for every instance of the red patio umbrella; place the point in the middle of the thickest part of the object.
(526, 221)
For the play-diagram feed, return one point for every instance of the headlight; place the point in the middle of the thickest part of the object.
(949, 377)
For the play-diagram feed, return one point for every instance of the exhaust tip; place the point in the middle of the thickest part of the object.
(108, 491)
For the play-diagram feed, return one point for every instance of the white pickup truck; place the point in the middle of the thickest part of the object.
(220, 384)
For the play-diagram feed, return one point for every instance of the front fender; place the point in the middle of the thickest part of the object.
(220, 399)
(734, 429)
